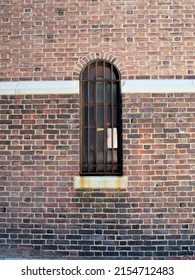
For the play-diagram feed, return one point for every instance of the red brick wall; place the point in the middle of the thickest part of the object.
(45, 40)
(41, 215)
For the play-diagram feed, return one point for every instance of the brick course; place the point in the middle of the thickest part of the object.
(41, 215)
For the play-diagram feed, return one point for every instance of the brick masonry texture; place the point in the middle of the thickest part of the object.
(47, 40)
(42, 216)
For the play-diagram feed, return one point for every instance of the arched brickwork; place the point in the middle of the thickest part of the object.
(92, 56)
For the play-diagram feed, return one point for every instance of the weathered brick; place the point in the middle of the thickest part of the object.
(112, 34)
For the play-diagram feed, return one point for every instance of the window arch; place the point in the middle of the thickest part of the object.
(100, 119)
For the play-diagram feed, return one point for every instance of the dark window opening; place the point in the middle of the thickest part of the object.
(101, 152)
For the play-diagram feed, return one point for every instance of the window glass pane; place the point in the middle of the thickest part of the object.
(84, 168)
(109, 116)
(100, 157)
(91, 116)
(111, 90)
(91, 91)
(91, 157)
(114, 93)
(100, 69)
(100, 140)
(91, 138)
(92, 71)
(115, 116)
(100, 116)
(108, 74)
(115, 168)
(115, 156)
(112, 156)
(100, 91)
(108, 91)
(86, 157)
(109, 168)
(109, 156)
(86, 116)
(92, 168)
(100, 168)
(86, 138)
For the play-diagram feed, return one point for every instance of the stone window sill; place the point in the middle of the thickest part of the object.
(100, 182)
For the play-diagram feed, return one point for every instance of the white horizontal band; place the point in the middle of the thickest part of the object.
(158, 86)
(43, 87)
(72, 87)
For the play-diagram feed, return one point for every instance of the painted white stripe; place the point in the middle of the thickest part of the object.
(158, 86)
(43, 87)
(72, 87)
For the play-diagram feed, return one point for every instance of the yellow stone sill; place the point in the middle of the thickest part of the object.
(100, 182)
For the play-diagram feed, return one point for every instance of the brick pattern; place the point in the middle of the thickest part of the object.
(41, 215)
(46, 40)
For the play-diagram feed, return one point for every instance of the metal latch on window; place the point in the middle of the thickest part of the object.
(100, 129)
(112, 142)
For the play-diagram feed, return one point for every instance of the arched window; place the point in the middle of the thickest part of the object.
(100, 120)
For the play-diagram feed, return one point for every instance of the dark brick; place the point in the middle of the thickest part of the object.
(49, 236)
(25, 236)
(110, 254)
(86, 254)
(4, 235)
(135, 254)
(171, 130)
(161, 254)
(49, 247)
(77, 237)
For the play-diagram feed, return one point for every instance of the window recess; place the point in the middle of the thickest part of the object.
(100, 120)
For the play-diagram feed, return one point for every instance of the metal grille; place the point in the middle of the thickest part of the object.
(101, 120)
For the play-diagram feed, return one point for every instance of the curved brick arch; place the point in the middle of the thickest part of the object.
(93, 56)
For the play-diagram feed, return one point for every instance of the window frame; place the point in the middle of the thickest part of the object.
(117, 81)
